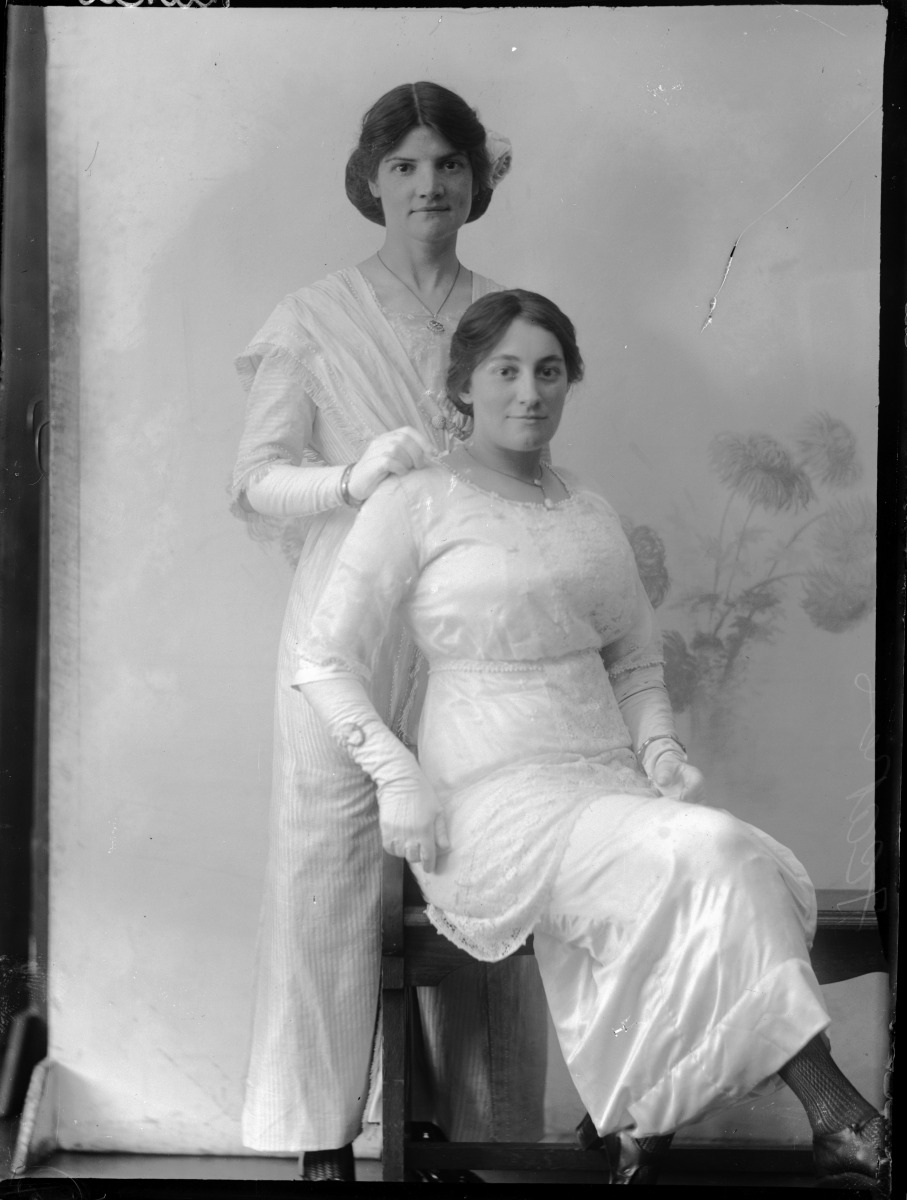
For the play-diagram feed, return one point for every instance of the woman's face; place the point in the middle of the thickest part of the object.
(425, 187)
(518, 391)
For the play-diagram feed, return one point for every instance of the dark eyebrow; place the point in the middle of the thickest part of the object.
(516, 358)
(440, 158)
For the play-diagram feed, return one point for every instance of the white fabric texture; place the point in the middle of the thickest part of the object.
(409, 815)
(687, 923)
(328, 372)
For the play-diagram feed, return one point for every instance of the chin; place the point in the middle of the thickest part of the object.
(530, 441)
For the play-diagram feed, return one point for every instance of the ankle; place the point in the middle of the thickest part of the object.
(830, 1100)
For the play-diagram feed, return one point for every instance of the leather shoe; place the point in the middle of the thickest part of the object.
(629, 1162)
(854, 1157)
(425, 1131)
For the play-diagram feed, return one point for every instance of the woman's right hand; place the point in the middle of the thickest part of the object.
(677, 779)
(412, 823)
(392, 453)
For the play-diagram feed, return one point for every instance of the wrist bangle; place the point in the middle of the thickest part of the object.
(660, 737)
(345, 488)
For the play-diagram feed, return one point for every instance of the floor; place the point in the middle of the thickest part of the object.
(263, 1169)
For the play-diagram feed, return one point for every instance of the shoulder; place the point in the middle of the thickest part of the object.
(402, 510)
(419, 498)
(297, 323)
(339, 285)
(412, 488)
(582, 487)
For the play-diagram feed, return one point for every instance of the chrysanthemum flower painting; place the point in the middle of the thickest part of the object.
(784, 538)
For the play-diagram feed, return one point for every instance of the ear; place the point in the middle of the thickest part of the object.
(374, 189)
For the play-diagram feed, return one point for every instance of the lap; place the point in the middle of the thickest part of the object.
(630, 855)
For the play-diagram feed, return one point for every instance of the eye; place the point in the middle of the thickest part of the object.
(455, 164)
(402, 168)
(552, 372)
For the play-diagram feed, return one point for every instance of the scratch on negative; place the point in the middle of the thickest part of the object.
(93, 157)
(812, 18)
(727, 268)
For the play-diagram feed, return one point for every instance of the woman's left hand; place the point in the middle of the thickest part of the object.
(676, 778)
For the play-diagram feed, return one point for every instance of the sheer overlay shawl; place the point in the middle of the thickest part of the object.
(348, 377)
(354, 371)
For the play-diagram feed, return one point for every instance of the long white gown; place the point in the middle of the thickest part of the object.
(672, 938)
(329, 371)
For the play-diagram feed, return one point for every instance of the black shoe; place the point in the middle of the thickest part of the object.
(424, 1131)
(630, 1160)
(855, 1157)
(327, 1166)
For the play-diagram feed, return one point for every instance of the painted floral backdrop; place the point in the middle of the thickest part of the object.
(794, 531)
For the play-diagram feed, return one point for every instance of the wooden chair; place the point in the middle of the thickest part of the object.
(414, 954)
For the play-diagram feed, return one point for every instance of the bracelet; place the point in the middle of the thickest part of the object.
(345, 488)
(660, 737)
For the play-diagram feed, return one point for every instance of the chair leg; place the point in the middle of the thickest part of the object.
(395, 1085)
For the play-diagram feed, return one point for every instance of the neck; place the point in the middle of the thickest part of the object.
(522, 464)
(422, 264)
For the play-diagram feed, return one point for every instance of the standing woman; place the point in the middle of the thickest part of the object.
(345, 387)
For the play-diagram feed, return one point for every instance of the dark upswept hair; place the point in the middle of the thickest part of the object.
(401, 110)
(487, 320)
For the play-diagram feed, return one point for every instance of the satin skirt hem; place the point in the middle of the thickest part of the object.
(751, 1044)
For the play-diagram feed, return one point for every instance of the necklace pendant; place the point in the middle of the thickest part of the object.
(549, 503)
(435, 326)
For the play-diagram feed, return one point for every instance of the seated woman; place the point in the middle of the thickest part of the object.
(551, 795)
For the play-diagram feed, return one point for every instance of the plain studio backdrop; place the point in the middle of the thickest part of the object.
(197, 165)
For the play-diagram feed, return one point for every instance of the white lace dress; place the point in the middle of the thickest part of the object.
(672, 938)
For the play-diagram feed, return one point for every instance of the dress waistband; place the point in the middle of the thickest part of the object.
(503, 665)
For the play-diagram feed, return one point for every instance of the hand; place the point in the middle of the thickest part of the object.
(412, 823)
(393, 453)
(676, 778)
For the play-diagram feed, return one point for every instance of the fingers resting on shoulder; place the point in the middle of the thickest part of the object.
(393, 453)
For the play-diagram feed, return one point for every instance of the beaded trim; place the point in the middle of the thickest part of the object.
(503, 666)
(660, 737)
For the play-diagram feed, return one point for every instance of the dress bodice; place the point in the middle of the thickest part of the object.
(513, 582)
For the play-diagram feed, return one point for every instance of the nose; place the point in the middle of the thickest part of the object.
(428, 180)
(527, 389)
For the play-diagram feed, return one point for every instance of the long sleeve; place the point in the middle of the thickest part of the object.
(281, 490)
(635, 667)
(377, 565)
(278, 472)
(375, 569)
(412, 826)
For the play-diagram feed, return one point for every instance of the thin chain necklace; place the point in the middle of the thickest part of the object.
(433, 324)
(534, 482)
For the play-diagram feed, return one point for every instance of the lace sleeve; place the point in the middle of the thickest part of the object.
(639, 647)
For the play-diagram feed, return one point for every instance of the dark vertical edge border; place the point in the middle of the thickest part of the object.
(24, 409)
(892, 455)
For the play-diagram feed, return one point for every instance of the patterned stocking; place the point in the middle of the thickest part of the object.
(830, 1099)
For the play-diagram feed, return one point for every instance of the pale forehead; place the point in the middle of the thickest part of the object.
(525, 340)
(421, 143)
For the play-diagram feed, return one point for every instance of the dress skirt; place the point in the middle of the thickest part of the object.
(674, 955)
